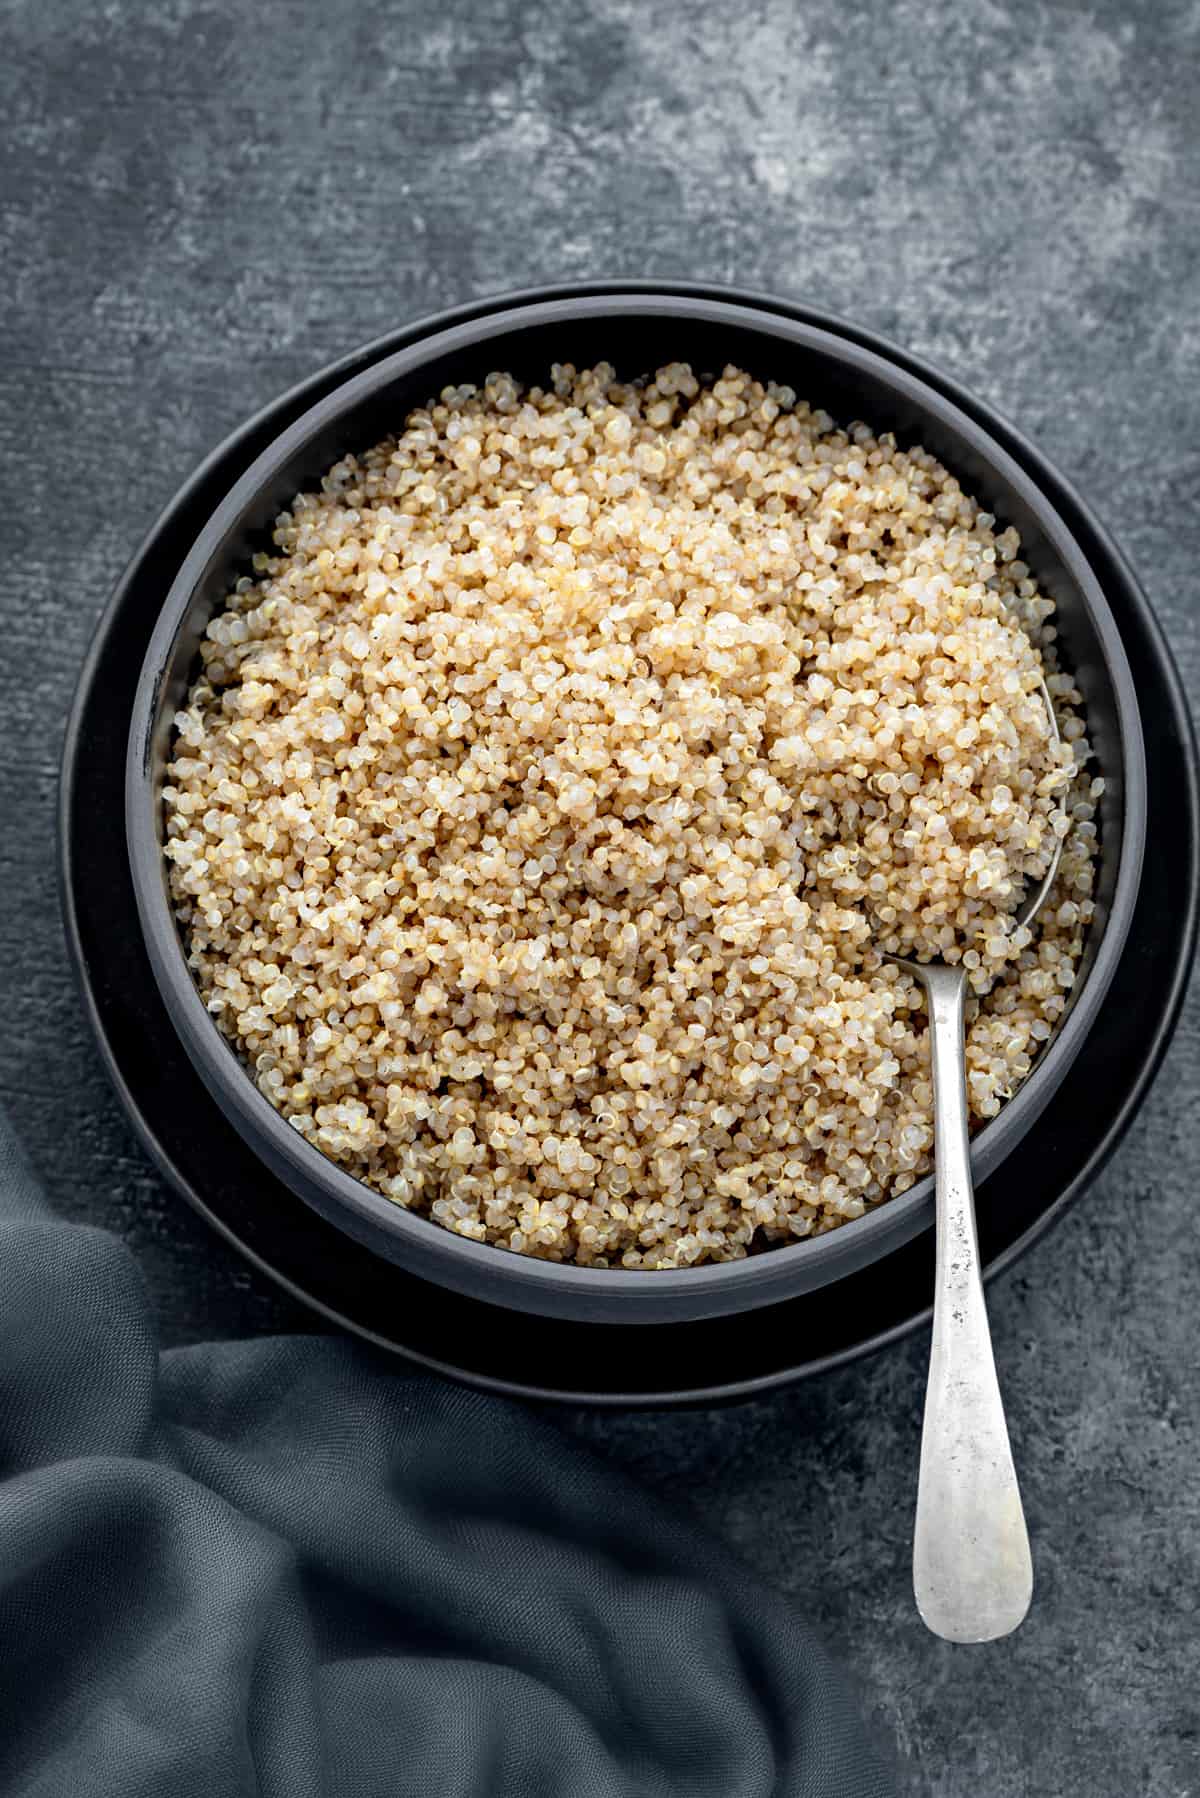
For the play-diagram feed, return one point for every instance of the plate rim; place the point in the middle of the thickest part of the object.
(1063, 495)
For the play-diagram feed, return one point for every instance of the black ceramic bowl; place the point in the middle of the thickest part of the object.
(637, 332)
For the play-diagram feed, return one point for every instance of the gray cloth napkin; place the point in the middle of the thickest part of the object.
(286, 1568)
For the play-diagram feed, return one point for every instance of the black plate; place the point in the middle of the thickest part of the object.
(204, 1158)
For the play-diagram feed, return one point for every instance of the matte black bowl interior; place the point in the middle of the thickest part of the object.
(636, 332)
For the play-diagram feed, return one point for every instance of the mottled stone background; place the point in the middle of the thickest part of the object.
(199, 203)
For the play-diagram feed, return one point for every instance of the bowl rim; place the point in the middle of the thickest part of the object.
(565, 1289)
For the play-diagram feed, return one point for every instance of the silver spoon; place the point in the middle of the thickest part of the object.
(972, 1570)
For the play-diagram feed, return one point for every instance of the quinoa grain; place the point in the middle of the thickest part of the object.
(549, 797)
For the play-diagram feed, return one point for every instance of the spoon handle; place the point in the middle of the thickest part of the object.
(972, 1571)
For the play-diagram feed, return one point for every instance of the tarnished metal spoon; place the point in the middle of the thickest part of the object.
(972, 1569)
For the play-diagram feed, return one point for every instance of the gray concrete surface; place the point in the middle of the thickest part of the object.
(199, 203)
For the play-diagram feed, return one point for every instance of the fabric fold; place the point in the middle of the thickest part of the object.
(288, 1567)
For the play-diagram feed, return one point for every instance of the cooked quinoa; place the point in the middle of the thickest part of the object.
(548, 798)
